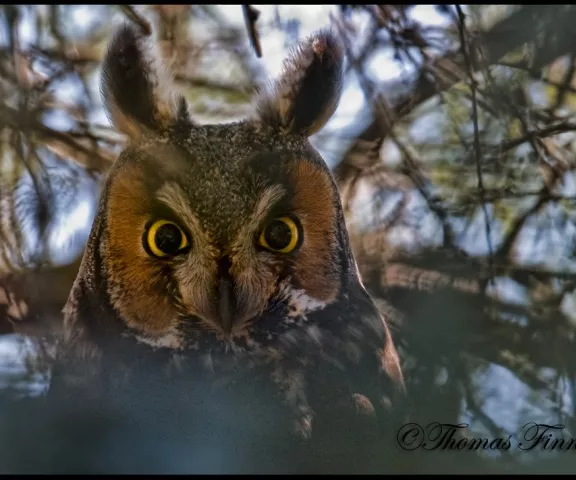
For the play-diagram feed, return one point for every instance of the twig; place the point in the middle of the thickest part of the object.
(250, 17)
(540, 133)
(477, 149)
(568, 77)
(385, 120)
(136, 18)
(504, 37)
(536, 74)
(494, 195)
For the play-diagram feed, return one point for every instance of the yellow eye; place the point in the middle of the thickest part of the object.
(281, 235)
(164, 238)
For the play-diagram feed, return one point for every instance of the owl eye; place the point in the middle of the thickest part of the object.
(165, 238)
(281, 235)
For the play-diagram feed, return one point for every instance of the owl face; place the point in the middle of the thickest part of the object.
(209, 232)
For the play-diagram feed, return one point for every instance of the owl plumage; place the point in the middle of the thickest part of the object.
(219, 246)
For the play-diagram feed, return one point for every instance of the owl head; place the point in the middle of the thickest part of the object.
(210, 235)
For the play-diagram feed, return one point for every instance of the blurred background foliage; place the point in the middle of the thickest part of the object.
(453, 148)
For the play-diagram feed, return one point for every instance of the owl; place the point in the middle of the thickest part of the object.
(221, 250)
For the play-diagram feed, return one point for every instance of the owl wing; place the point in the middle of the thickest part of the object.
(344, 360)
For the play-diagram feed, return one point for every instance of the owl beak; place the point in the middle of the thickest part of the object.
(226, 300)
(225, 303)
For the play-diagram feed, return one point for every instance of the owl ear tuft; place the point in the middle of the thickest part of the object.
(307, 93)
(136, 88)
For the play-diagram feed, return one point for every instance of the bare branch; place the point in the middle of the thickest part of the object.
(250, 18)
(136, 18)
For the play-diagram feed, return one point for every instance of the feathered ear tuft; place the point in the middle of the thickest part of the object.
(137, 91)
(307, 93)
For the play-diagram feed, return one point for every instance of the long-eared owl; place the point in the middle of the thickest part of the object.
(223, 248)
